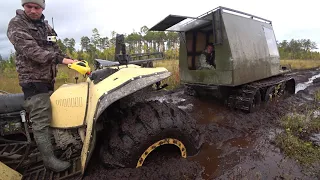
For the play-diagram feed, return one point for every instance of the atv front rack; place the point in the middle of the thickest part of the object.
(123, 58)
(137, 59)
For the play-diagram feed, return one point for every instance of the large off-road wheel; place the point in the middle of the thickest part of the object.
(145, 127)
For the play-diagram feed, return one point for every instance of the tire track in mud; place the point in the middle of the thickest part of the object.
(259, 157)
(237, 145)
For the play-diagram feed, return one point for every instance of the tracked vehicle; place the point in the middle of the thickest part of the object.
(248, 69)
(111, 107)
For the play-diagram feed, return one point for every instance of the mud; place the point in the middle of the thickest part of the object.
(237, 145)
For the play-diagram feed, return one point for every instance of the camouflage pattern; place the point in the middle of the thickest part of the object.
(36, 58)
(203, 63)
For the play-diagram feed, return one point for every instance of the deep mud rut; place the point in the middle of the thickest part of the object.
(237, 145)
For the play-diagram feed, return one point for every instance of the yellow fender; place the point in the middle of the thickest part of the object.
(6, 173)
(118, 85)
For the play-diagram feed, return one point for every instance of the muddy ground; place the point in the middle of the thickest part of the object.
(237, 145)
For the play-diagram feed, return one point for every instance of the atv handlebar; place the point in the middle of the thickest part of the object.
(81, 66)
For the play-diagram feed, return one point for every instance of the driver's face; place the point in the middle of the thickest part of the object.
(33, 11)
(209, 49)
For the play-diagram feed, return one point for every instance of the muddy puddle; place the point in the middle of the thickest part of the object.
(237, 145)
(209, 159)
(224, 144)
(212, 157)
(207, 111)
(304, 85)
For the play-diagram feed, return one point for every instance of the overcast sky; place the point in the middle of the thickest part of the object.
(291, 19)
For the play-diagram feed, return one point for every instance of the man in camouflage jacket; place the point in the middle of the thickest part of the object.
(37, 57)
(207, 58)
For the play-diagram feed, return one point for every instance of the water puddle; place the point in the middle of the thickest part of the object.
(207, 111)
(241, 142)
(208, 157)
(214, 159)
(303, 86)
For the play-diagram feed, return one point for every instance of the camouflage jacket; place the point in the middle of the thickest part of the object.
(36, 58)
(203, 61)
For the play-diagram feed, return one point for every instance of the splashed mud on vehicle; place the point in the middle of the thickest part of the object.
(237, 145)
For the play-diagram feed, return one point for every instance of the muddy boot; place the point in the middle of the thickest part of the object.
(39, 108)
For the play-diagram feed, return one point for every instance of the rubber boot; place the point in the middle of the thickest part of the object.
(39, 108)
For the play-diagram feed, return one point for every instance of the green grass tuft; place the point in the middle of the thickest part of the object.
(294, 141)
(317, 96)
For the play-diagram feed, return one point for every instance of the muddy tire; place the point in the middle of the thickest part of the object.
(143, 125)
(190, 91)
(269, 94)
(256, 102)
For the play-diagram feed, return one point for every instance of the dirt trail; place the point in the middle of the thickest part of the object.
(237, 145)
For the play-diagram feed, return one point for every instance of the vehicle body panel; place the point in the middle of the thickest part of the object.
(252, 57)
(69, 105)
(108, 91)
(245, 47)
(8, 174)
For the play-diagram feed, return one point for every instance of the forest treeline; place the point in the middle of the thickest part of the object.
(103, 47)
(144, 41)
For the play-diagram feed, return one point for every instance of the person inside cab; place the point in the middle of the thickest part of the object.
(207, 58)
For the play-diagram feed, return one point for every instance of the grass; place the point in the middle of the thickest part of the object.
(9, 81)
(301, 64)
(317, 96)
(9, 77)
(173, 66)
(295, 141)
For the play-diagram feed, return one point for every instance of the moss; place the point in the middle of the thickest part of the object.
(302, 151)
(294, 140)
(317, 96)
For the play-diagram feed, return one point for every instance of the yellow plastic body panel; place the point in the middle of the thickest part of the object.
(115, 80)
(69, 103)
(6, 173)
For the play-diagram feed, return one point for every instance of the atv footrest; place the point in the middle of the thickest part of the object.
(41, 173)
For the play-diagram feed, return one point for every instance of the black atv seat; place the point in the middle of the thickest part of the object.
(11, 102)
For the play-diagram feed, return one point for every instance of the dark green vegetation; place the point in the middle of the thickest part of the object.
(295, 141)
(317, 96)
(298, 49)
(101, 47)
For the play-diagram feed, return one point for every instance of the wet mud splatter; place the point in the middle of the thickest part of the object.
(237, 145)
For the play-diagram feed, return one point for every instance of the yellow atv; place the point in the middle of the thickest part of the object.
(114, 105)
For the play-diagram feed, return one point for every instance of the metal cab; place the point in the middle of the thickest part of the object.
(245, 47)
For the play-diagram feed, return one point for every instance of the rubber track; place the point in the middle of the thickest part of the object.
(243, 97)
